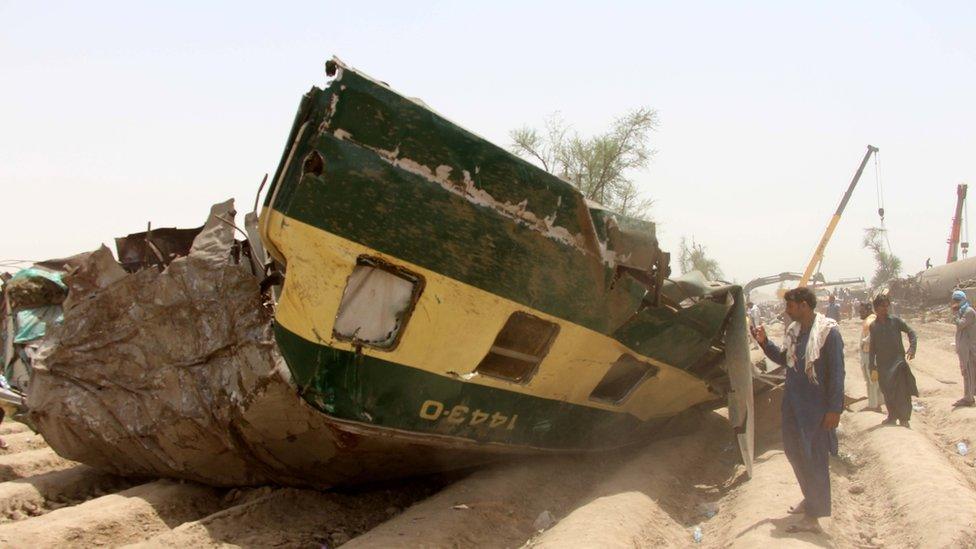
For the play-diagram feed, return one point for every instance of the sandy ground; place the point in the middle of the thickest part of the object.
(892, 487)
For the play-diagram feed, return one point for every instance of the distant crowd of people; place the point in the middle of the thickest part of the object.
(842, 304)
(812, 355)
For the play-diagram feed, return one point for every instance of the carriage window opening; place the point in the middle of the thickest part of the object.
(519, 348)
(376, 304)
(622, 379)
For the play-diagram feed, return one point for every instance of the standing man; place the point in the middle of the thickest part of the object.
(965, 346)
(753, 313)
(889, 362)
(875, 398)
(833, 308)
(813, 354)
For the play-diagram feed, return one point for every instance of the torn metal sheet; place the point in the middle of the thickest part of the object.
(154, 248)
(174, 373)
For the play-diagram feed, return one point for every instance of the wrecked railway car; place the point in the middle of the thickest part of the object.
(441, 303)
(438, 286)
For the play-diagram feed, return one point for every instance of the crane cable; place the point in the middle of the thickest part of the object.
(880, 193)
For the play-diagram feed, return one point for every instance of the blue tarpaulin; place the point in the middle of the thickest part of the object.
(32, 272)
(32, 324)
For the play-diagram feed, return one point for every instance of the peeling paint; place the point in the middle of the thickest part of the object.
(333, 105)
(442, 176)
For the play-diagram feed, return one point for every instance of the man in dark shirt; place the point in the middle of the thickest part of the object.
(833, 308)
(812, 401)
(889, 362)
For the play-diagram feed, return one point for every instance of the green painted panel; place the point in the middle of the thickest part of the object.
(378, 117)
(377, 392)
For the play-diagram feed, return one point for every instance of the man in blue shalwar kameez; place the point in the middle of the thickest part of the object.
(813, 356)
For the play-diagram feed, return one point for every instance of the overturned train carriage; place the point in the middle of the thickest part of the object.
(443, 304)
(439, 289)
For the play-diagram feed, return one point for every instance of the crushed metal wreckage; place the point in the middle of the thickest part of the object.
(928, 291)
(429, 301)
(174, 372)
(32, 300)
(31, 305)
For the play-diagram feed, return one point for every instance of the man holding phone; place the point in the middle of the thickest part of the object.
(813, 354)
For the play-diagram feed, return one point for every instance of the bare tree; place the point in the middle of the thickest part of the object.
(887, 265)
(545, 148)
(599, 165)
(694, 258)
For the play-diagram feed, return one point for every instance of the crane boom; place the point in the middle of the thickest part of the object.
(819, 252)
(956, 224)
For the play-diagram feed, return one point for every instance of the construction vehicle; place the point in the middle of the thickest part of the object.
(818, 254)
(818, 281)
(956, 225)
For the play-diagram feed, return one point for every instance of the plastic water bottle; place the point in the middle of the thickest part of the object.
(697, 534)
(962, 448)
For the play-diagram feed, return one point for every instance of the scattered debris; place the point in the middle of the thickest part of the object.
(697, 535)
(544, 521)
(708, 509)
(962, 448)
(338, 538)
(460, 507)
(847, 458)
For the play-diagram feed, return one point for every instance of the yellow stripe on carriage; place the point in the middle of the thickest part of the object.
(454, 325)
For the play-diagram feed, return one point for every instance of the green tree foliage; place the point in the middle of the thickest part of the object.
(694, 258)
(887, 265)
(598, 165)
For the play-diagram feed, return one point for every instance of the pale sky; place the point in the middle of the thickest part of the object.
(113, 114)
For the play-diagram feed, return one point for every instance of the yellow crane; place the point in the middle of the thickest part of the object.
(818, 254)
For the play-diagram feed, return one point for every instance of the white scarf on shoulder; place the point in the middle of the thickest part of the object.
(818, 335)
